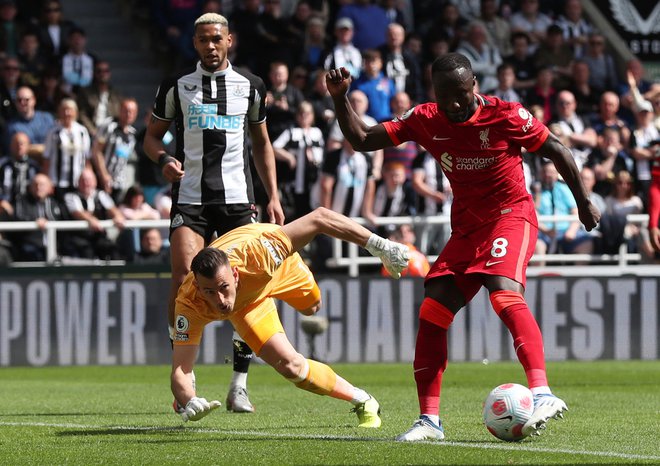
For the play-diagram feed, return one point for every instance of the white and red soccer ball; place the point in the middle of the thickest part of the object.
(506, 410)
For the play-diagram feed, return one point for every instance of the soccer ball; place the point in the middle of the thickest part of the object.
(507, 409)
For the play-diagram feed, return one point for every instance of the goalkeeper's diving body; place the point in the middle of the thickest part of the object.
(238, 277)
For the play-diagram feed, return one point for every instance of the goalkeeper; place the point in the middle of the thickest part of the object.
(238, 277)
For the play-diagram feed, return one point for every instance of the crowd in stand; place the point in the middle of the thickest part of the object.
(68, 134)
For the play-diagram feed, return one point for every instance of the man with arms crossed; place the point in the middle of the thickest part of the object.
(238, 277)
(213, 106)
(477, 140)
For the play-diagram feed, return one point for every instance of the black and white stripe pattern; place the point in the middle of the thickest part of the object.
(67, 150)
(118, 146)
(15, 176)
(212, 112)
(298, 141)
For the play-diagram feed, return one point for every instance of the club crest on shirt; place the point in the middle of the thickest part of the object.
(522, 113)
(188, 88)
(483, 136)
(238, 91)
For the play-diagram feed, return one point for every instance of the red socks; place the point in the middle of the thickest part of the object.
(527, 340)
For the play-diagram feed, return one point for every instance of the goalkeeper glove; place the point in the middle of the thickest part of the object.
(197, 408)
(394, 256)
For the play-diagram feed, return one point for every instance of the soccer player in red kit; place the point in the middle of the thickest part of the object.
(477, 141)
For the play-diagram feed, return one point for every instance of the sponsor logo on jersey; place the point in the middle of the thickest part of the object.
(271, 250)
(205, 116)
(528, 125)
(181, 323)
(474, 163)
(446, 162)
(483, 136)
(181, 337)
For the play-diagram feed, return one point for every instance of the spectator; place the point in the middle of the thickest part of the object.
(31, 58)
(573, 130)
(498, 30)
(274, 38)
(406, 152)
(77, 63)
(10, 81)
(636, 80)
(643, 147)
(282, 100)
(10, 29)
(67, 150)
(608, 159)
(400, 65)
(393, 11)
(100, 101)
(54, 31)
(51, 91)
(344, 53)
(149, 175)
(300, 148)
(522, 62)
(433, 198)
(16, 172)
(554, 53)
(588, 178)
(324, 108)
(174, 20)
(299, 78)
(38, 205)
(314, 44)
(483, 57)
(587, 99)
(34, 123)
(553, 197)
(243, 21)
(343, 180)
(530, 20)
(574, 27)
(89, 204)
(152, 250)
(113, 147)
(134, 207)
(392, 196)
(543, 94)
(378, 88)
(620, 203)
(449, 25)
(602, 69)
(506, 78)
(370, 23)
(607, 117)
(360, 103)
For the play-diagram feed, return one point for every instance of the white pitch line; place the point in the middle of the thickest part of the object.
(445, 443)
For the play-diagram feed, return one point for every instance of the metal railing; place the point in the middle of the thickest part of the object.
(353, 260)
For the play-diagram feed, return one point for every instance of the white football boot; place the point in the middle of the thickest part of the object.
(423, 429)
(546, 406)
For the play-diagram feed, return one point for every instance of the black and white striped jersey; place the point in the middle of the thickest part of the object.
(211, 112)
(15, 177)
(118, 146)
(307, 145)
(67, 150)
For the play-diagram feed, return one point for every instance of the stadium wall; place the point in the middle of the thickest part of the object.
(88, 316)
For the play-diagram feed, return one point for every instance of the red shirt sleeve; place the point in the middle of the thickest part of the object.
(521, 128)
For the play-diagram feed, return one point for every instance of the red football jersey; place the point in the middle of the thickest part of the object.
(480, 157)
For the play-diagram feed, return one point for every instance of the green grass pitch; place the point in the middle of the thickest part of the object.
(123, 415)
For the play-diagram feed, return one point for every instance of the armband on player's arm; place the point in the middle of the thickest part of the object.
(164, 159)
